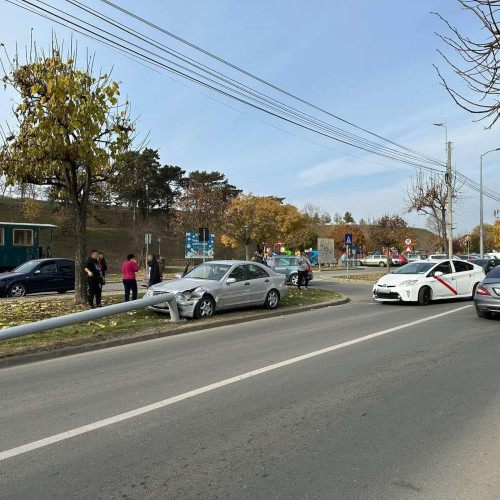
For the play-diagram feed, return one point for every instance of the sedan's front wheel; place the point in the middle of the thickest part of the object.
(205, 308)
(17, 290)
(382, 264)
(294, 279)
(272, 300)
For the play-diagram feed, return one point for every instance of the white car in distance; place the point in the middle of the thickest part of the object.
(425, 281)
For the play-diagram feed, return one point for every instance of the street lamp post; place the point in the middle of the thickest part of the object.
(247, 253)
(481, 231)
(449, 185)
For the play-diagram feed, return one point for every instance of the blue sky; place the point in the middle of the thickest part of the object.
(369, 62)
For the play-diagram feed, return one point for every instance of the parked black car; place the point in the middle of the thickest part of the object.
(40, 275)
(486, 264)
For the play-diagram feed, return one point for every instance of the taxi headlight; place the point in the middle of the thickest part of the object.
(408, 282)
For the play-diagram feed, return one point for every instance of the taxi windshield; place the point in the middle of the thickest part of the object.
(415, 268)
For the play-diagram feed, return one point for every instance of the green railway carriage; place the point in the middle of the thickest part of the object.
(20, 242)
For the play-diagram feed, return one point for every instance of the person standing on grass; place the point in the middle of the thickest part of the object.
(303, 267)
(129, 269)
(94, 279)
(154, 270)
(103, 266)
(270, 260)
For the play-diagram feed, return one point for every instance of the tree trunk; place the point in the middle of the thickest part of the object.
(80, 257)
(388, 259)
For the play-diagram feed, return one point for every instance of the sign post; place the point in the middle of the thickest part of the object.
(147, 240)
(203, 236)
(348, 244)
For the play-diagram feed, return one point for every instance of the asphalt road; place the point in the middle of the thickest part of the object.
(356, 401)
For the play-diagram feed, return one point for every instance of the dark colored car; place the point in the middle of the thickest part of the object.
(40, 275)
(487, 296)
(486, 264)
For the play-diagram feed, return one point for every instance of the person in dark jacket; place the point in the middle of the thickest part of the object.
(154, 270)
(94, 279)
(103, 265)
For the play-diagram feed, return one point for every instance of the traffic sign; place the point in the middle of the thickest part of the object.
(348, 239)
(148, 238)
(408, 250)
(196, 249)
(408, 241)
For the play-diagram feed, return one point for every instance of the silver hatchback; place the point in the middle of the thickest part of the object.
(221, 285)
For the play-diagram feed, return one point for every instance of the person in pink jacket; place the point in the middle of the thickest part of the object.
(129, 269)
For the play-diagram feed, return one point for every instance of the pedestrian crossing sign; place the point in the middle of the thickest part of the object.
(348, 239)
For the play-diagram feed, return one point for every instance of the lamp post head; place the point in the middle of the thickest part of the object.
(439, 124)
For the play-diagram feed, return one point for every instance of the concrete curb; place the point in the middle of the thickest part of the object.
(148, 334)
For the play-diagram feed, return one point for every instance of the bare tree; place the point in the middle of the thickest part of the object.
(428, 195)
(480, 70)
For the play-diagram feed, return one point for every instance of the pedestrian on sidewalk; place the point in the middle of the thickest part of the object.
(129, 269)
(303, 268)
(154, 270)
(258, 256)
(94, 277)
(103, 266)
(270, 260)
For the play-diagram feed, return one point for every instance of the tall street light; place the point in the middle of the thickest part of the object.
(445, 130)
(481, 231)
(449, 190)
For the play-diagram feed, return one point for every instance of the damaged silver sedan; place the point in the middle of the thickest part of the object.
(222, 285)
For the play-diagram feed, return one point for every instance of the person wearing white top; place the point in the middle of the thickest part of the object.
(270, 260)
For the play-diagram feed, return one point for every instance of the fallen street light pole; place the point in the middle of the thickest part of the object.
(92, 314)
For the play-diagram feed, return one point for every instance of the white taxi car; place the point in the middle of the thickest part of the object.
(426, 280)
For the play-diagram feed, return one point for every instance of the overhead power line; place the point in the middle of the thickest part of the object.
(228, 87)
(294, 116)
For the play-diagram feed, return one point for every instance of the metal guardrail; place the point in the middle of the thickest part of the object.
(92, 314)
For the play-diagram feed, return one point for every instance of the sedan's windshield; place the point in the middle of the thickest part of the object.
(415, 268)
(209, 271)
(27, 267)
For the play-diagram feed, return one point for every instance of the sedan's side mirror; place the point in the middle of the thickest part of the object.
(230, 280)
(437, 274)
(178, 276)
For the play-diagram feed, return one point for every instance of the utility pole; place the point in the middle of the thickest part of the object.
(449, 184)
(481, 225)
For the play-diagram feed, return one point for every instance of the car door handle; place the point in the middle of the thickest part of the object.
(247, 283)
(266, 281)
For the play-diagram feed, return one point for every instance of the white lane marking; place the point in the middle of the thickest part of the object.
(19, 450)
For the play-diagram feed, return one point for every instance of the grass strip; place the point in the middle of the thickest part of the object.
(120, 325)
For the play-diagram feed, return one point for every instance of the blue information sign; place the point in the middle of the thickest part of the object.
(348, 239)
(196, 249)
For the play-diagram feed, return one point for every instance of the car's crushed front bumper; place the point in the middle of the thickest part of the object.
(186, 307)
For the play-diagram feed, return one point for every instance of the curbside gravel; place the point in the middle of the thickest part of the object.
(149, 334)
